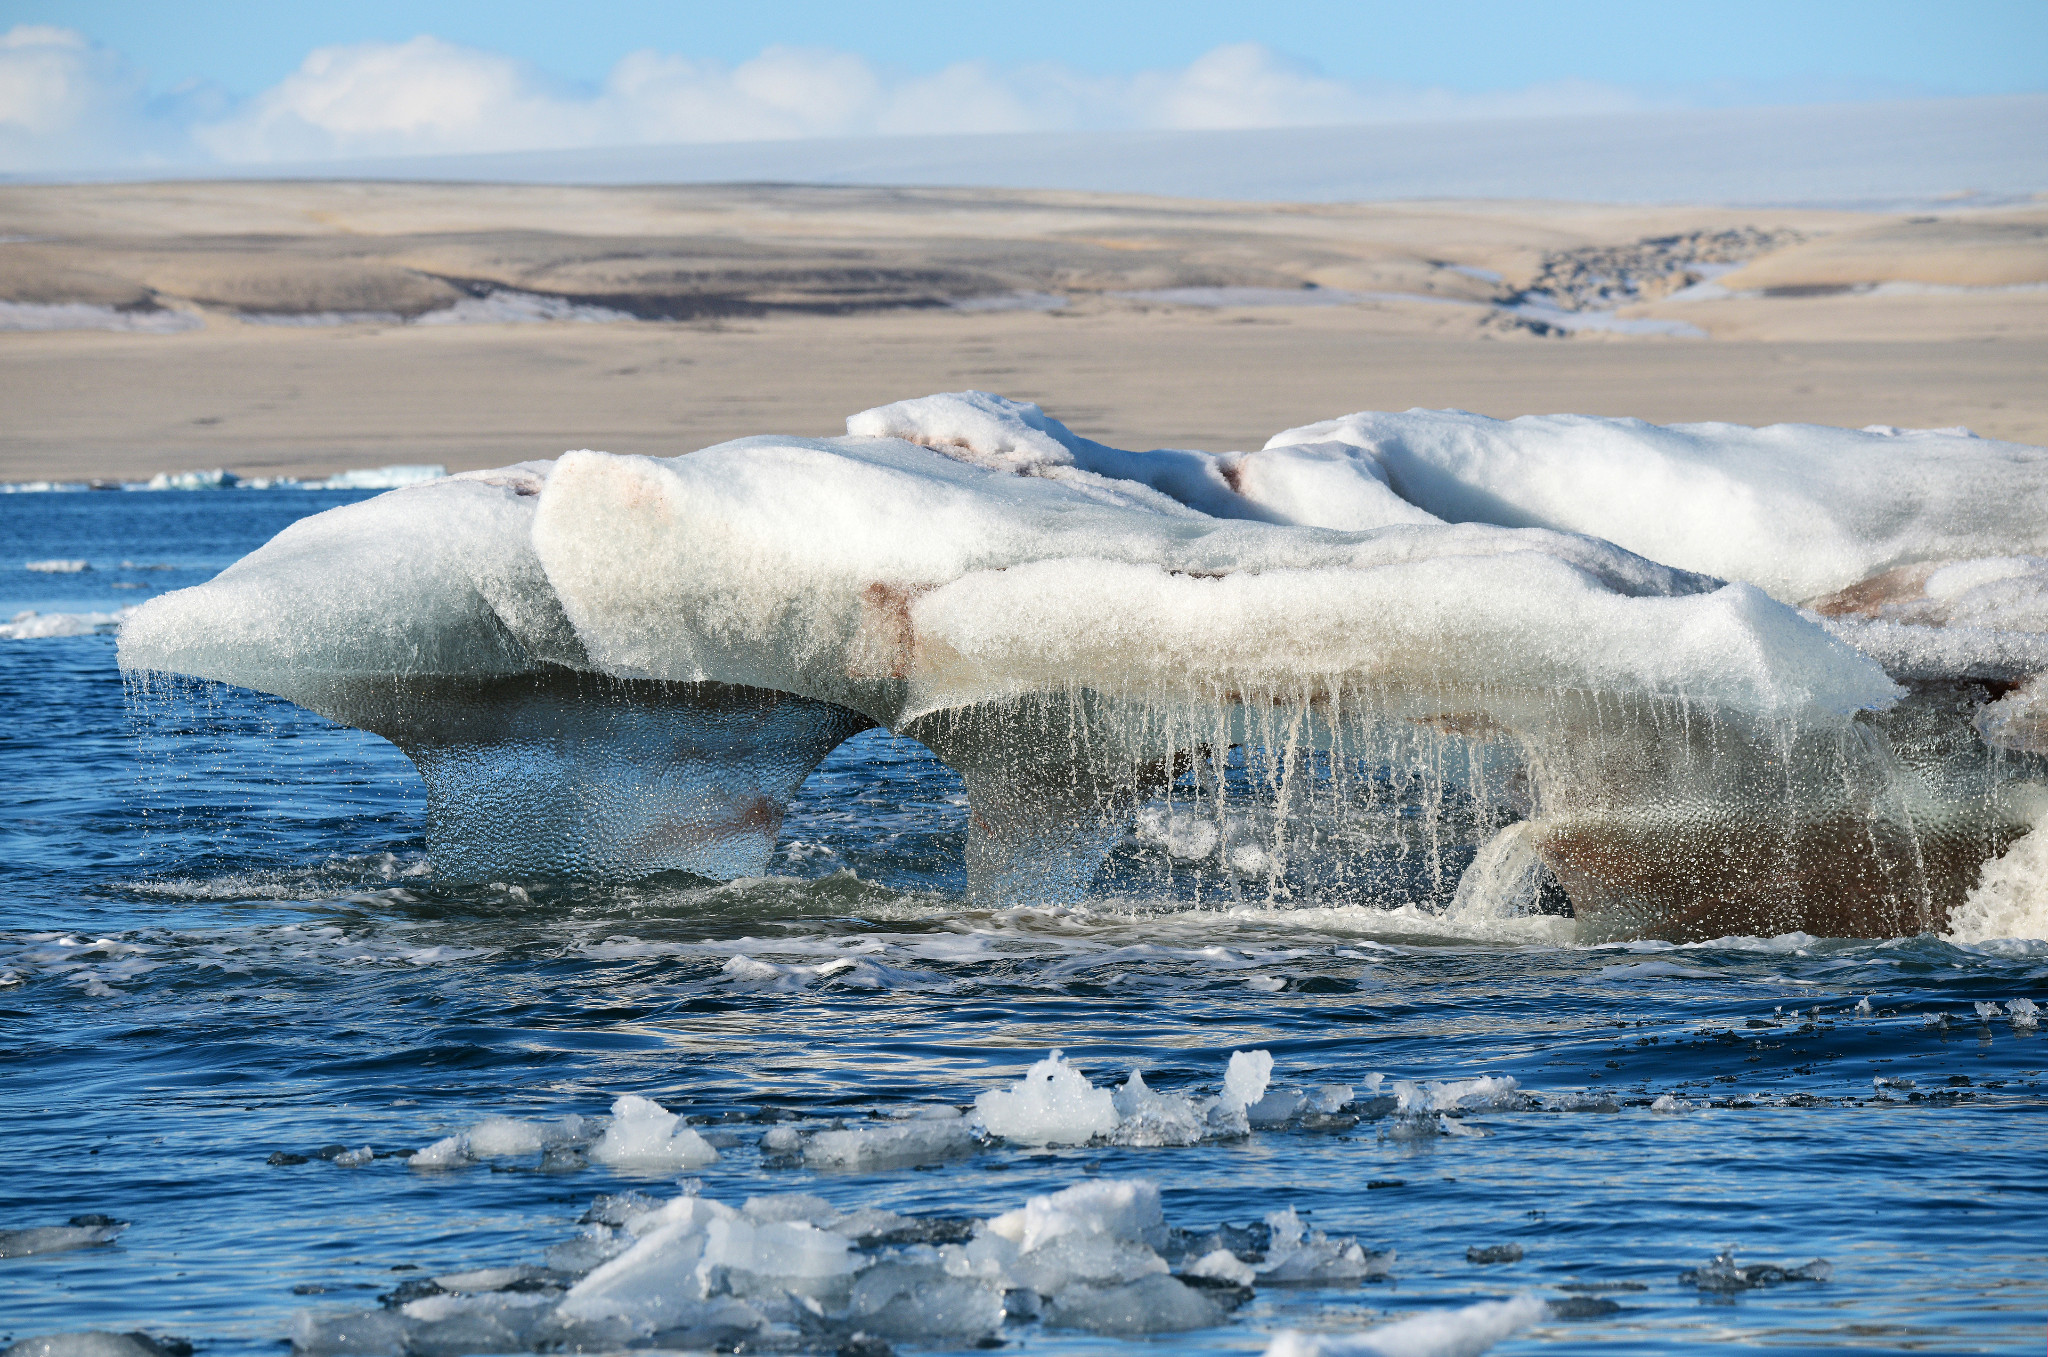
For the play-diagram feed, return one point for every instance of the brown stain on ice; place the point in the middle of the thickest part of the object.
(1886, 589)
(887, 645)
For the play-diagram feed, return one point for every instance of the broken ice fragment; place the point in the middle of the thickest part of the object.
(99, 1344)
(645, 1135)
(1722, 1274)
(1054, 1104)
(1464, 1332)
(82, 1232)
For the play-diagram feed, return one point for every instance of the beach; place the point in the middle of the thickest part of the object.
(328, 326)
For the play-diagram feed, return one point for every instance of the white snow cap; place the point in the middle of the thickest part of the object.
(1800, 510)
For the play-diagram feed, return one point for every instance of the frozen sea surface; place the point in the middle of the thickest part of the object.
(220, 943)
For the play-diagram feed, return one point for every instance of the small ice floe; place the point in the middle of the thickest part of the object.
(645, 1135)
(1464, 1332)
(1494, 1253)
(1055, 1104)
(1299, 1256)
(1862, 1009)
(80, 1232)
(1669, 1105)
(1986, 1012)
(2023, 1012)
(793, 1273)
(1432, 1109)
(57, 567)
(216, 479)
(925, 1140)
(1723, 1275)
(95, 1343)
(504, 1138)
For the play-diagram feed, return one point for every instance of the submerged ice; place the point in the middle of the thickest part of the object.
(1680, 682)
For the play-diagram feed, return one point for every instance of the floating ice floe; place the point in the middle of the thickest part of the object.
(793, 1273)
(57, 567)
(611, 666)
(1722, 1274)
(1055, 1104)
(81, 1232)
(1463, 1332)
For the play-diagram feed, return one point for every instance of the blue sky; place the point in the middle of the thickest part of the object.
(1949, 47)
(88, 84)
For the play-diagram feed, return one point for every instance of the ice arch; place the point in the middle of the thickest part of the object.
(612, 665)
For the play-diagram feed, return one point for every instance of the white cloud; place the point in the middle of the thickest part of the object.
(67, 103)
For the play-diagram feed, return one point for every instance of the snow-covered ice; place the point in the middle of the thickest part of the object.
(1591, 620)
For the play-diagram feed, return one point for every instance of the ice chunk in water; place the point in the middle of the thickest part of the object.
(1224, 1266)
(920, 1302)
(2024, 1012)
(645, 1135)
(1722, 1274)
(1054, 1104)
(868, 1147)
(657, 1282)
(82, 1232)
(1244, 1082)
(1464, 1332)
(1147, 1118)
(500, 1137)
(1299, 1256)
(353, 1333)
(97, 1344)
(1152, 1304)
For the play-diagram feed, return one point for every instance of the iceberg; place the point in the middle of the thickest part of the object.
(1582, 635)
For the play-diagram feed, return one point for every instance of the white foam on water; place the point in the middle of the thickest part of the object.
(57, 567)
(2010, 899)
(84, 316)
(31, 625)
(1464, 1332)
(380, 477)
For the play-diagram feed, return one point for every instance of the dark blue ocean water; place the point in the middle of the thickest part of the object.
(220, 939)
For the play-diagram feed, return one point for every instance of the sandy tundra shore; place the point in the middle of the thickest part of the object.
(308, 328)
